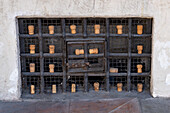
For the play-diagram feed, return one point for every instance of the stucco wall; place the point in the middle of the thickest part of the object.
(9, 54)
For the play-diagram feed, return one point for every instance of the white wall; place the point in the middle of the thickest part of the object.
(9, 54)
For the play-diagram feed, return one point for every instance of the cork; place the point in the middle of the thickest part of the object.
(31, 29)
(51, 68)
(32, 67)
(119, 29)
(96, 86)
(139, 87)
(32, 89)
(119, 87)
(32, 49)
(97, 29)
(93, 51)
(79, 51)
(51, 29)
(73, 29)
(139, 66)
(51, 49)
(139, 48)
(139, 29)
(113, 70)
(73, 88)
(54, 88)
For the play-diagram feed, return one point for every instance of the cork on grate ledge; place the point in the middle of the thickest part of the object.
(119, 29)
(97, 29)
(113, 70)
(51, 29)
(73, 29)
(139, 66)
(79, 51)
(31, 29)
(32, 49)
(73, 88)
(139, 29)
(32, 89)
(139, 87)
(54, 88)
(51, 68)
(119, 87)
(94, 51)
(51, 49)
(139, 48)
(96, 86)
(32, 67)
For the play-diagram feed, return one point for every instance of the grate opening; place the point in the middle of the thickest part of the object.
(77, 22)
(53, 84)
(116, 22)
(120, 63)
(78, 81)
(145, 81)
(51, 22)
(90, 25)
(27, 81)
(99, 79)
(118, 45)
(114, 82)
(145, 62)
(57, 42)
(57, 64)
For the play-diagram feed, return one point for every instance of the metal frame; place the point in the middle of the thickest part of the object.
(85, 38)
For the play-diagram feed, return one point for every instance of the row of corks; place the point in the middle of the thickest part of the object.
(139, 69)
(96, 87)
(96, 29)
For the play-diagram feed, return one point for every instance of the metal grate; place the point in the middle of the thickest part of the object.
(113, 46)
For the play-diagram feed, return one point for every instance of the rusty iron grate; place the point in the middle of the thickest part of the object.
(83, 51)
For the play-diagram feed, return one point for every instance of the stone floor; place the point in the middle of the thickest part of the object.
(92, 102)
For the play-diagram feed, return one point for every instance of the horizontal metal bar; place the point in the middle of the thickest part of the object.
(118, 74)
(118, 35)
(141, 55)
(96, 35)
(118, 54)
(31, 73)
(53, 74)
(89, 55)
(84, 71)
(89, 74)
(30, 55)
(142, 35)
(145, 74)
(75, 35)
(27, 35)
(52, 35)
(85, 39)
(86, 42)
(53, 55)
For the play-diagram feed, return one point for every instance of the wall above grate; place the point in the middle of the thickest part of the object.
(84, 54)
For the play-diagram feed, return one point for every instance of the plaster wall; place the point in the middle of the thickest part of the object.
(9, 51)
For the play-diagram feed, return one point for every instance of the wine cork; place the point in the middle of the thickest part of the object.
(31, 29)
(139, 48)
(93, 51)
(73, 88)
(139, 87)
(32, 89)
(79, 51)
(97, 29)
(51, 49)
(54, 88)
(32, 67)
(51, 68)
(139, 29)
(96, 86)
(119, 87)
(51, 29)
(73, 29)
(113, 70)
(119, 29)
(139, 66)
(32, 49)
